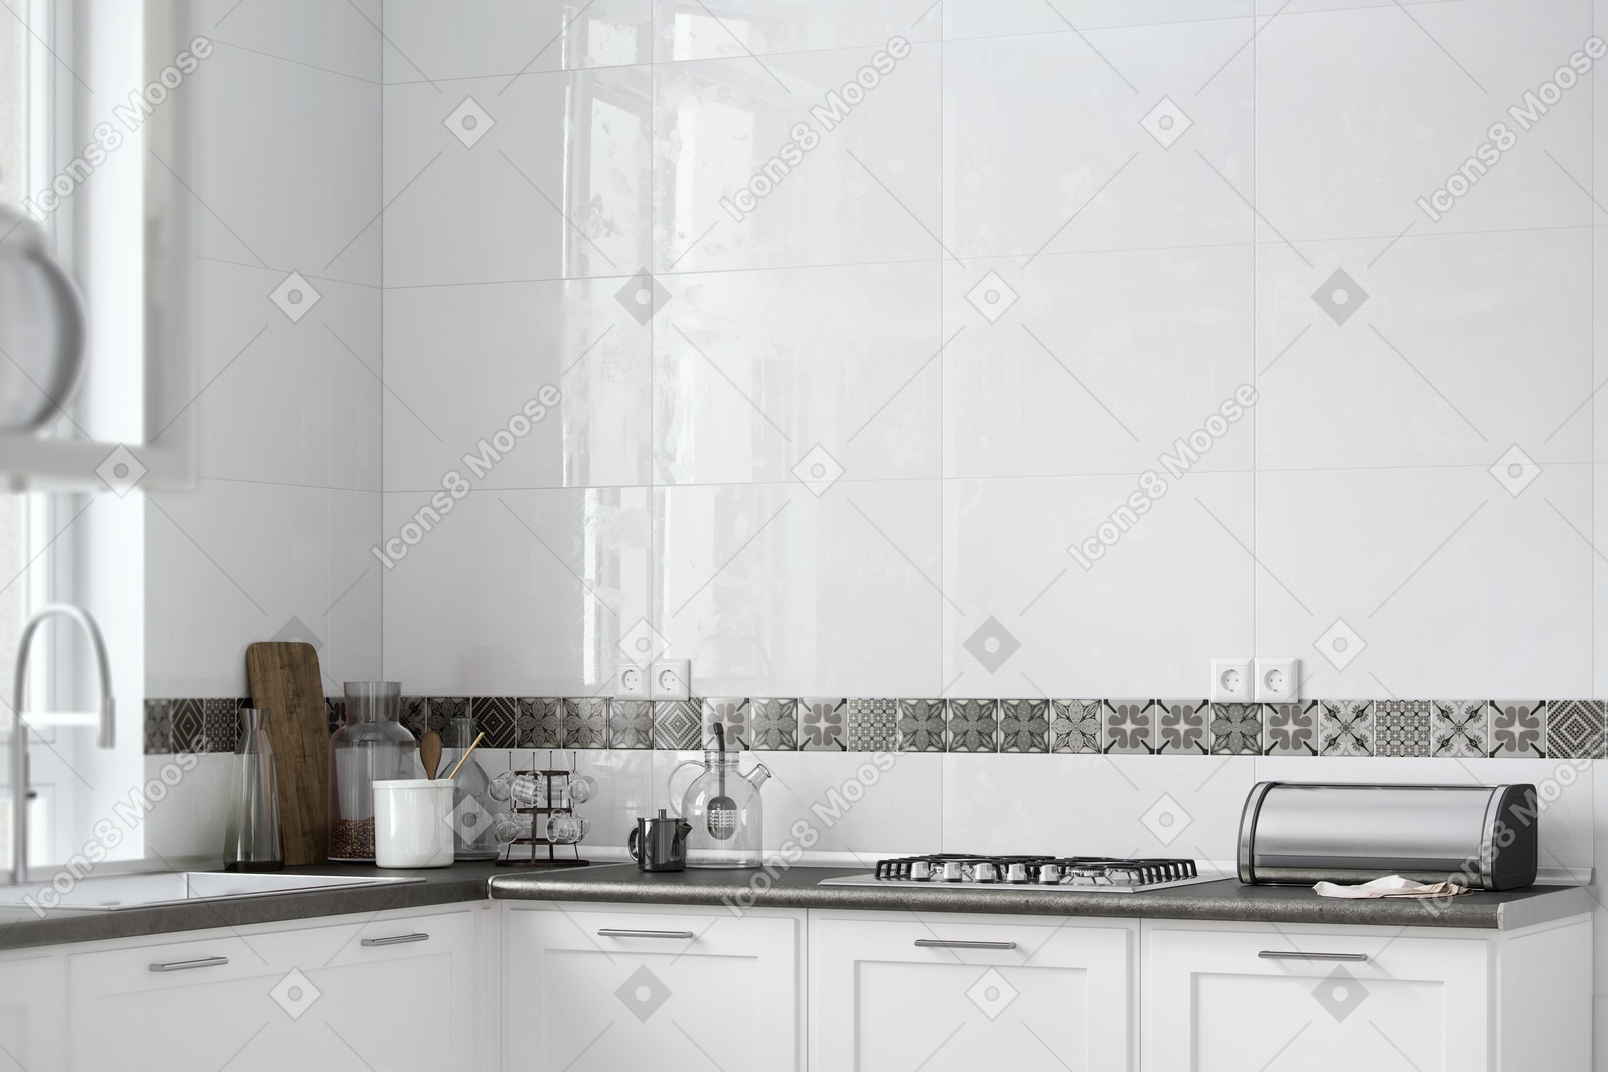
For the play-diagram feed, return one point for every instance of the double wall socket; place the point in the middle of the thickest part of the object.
(1248, 680)
(663, 679)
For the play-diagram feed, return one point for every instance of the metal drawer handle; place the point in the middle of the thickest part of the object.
(186, 965)
(1275, 954)
(941, 943)
(613, 932)
(396, 939)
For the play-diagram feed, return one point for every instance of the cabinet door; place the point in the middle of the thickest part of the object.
(593, 990)
(1225, 1001)
(33, 1032)
(314, 997)
(956, 994)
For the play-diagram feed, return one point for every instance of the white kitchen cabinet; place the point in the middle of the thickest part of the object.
(1221, 996)
(955, 993)
(593, 988)
(395, 991)
(33, 999)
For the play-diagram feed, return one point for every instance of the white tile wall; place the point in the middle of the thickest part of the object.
(286, 175)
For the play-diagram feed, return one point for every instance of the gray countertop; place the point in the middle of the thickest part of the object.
(796, 888)
(1223, 900)
(20, 927)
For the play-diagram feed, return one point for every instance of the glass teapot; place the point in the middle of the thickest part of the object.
(723, 807)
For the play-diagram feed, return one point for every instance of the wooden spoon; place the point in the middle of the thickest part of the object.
(465, 757)
(430, 753)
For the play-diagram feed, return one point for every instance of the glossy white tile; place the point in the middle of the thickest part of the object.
(282, 401)
(462, 362)
(1116, 139)
(429, 41)
(475, 194)
(1502, 583)
(773, 591)
(1124, 806)
(857, 186)
(1362, 112)
(1447, 350)
(232, 562)
(289, 176)
(754, 371)
(690, 30)
(1175, 580)
(515, 593)
(1000, 18)
(344, 38)
(1094, 362)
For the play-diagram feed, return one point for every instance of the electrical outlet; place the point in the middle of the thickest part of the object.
(1278, 680)
(1231, 680)
(630, 683)
(670, 679)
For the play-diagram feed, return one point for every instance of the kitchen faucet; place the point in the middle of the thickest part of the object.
(19, 739)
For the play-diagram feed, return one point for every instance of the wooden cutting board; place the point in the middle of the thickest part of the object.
(286, 682)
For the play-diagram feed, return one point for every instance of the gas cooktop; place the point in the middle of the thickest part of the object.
(1090, 874)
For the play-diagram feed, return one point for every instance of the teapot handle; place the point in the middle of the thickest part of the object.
(670, 784)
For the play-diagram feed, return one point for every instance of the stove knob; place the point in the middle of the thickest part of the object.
(985, 872)
(1016, 873)
(1049, 875)
(921, 871)
(952, 871)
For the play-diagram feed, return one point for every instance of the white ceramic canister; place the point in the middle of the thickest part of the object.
(413, 823)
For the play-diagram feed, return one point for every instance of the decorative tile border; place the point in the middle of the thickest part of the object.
(1514, 729)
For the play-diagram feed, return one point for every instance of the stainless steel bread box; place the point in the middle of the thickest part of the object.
(1480, 836)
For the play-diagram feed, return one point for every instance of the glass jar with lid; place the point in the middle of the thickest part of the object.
(372, 745)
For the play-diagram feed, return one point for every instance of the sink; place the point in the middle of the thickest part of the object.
(113, 892)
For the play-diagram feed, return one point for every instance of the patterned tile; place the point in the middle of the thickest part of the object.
(677, 724)
(973, 726)
(630, 724)
(1401, 727)
(821, 724)
(1236, 729)
(873, 725)
(921, 725)
(334, 711)
(498, 718)
(1345, 728)
(1575, 729)
(158, 727)
(1518, 729)
(773, 725)
(1128, 727)
(586, 723)
(220, 725)
(443, 709)
(1075, 726)
(1292, 728)
(1458, 729)
(539, 722)
(1182, 726)
(1024, 725)
(189, 726)
(732, 713)
(415, 714)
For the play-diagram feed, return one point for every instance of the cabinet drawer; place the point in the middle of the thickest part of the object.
(657, 988)
(1314, 999)
(953, 993)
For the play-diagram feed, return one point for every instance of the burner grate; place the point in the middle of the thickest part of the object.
(1039, 870)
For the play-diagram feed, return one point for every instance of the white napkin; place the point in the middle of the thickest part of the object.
(1390, 886)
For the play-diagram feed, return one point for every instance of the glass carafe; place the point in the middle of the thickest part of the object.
(473, 808)
(729, 833)
(252, 840)
(371, 746)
